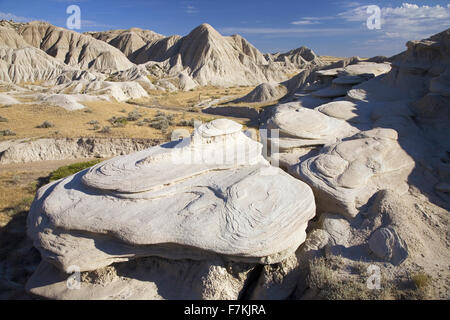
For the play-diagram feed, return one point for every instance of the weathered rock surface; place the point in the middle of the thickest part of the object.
(346, 174)
(217, 198)
(73, 48)
(264, 92)
(386, 244)
(299, 126)
(150, 278)
(128, 41)
(16, 151)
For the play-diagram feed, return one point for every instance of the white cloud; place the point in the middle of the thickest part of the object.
(11, 16)
(191, 9)
(93, 24)
(408, 22)
(311, 20)
(350, 4)
(304, 22)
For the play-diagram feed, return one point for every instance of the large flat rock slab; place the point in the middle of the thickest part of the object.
(191, 199)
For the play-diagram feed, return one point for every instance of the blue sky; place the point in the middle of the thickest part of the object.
(328, 27)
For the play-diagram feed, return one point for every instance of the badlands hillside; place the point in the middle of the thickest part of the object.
(288, 176)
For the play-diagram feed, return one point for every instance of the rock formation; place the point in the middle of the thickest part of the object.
(217, 199)
(73, 48)
(102, 64)
(210, 58)
(127, 41)
(367, 137)
(264, 92)
(25, 150)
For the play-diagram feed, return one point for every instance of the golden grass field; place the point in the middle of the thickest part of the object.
(24, 119)
(330, 59)
(187, 99)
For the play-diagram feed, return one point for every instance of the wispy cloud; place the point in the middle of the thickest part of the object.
(85, 24)
(311, 20)
(191, 9)
(305, 22)
(11, 16)
(409, 21)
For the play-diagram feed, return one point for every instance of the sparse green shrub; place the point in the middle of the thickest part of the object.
(66, 171)
(186, 123)
(3, 119)
(46, 124)
(118, 122)
(134, 115)
(96, 127)
(105, 129)
(93, 122)
(7, 132)
(162, 124)
(88, 111)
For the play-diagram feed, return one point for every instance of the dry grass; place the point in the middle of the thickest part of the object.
(337, 278)
(16, 193)
(185, 99)
(23, 119)
(255, 105)
(330, 59)
(421, 280)
(18, 184)
(332, 282)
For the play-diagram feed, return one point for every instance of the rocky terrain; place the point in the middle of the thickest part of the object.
(126, 64)
(201, 210)
(24, 150)
(368, 139)
(348, 179)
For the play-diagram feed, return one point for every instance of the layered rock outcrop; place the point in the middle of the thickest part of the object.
(209, 197)
(379, 177)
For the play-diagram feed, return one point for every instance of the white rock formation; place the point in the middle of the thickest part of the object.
(6, 99)
(26, 150)
(73, 48)
(264, 92)
(209, 196)
(300, 127)
(346, 174)
(149, 278)
(128, 41)
(386, 244)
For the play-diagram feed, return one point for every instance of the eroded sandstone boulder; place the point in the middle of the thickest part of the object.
(212, 196)
(346, 174)
(386, 244)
